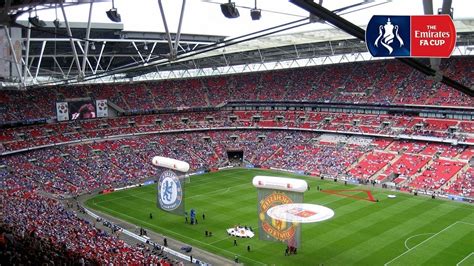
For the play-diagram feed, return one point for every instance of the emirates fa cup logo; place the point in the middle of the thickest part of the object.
(387, 34)
(410, 36)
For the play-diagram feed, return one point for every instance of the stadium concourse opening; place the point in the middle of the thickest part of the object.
(235, 157)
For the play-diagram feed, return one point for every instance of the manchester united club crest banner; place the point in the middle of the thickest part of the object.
(102, 108)
(275, 191)
(410, 36)
(62, 111)
(171, 185)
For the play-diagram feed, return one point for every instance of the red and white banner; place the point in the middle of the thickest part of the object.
(432, 36)
(102, 108)
(62, 111)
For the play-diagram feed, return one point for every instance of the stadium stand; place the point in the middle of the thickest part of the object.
(437, 174)
(31, 136)
(67, 159)
(463, 185)
(36, 223)
(347, 80)
(371, 164)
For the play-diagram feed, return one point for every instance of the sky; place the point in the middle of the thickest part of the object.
(202, 17)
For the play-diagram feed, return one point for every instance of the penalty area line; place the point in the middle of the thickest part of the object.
(406, 241)
(429, 238)
(459, 263)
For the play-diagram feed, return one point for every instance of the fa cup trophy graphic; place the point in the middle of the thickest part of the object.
(387, 33)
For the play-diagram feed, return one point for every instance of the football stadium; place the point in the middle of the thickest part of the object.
(227, 132)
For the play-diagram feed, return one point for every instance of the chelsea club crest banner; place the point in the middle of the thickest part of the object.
(411, 36)
(170, 196)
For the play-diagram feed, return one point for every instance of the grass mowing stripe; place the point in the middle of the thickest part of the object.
(347, 236)
(378, 225)
(228, 189)
(355, 219)
(393, 237)
(452, 249)
(407, 241)
(173, 233)
(426, 242)
(469, 260)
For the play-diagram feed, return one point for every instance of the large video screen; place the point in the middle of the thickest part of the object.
(82, 110)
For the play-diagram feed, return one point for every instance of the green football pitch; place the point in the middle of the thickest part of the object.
(407, 230)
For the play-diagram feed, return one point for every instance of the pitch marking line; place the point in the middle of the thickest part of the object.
(216, 191)
(429, 238)
(406, 241)
(225, 190)
(203, 180)
(459, 263)
(217, 241)
(122, 197)
(175, 233)
(145, 192)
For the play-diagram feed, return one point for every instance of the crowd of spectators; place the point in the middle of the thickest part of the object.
(436, 175)
(69, 170)
(391, 82)
(391, 125)
(31, 182)
(371, 164)
(84, 167)
(463, 185)
(37, 230)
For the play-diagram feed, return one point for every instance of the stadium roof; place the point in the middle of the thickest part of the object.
(141, 38)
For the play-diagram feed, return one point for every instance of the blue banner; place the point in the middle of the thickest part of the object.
(388, 36)
(149, 182)
(455, 197)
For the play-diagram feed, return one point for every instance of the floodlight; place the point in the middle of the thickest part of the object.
(256, 14)
(56, 23)
(35, 21)
(114, 15)
(229, 10)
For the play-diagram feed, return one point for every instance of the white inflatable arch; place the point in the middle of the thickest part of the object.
(170, 163)
(280, 183)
